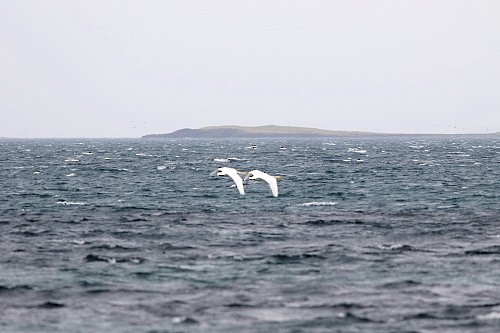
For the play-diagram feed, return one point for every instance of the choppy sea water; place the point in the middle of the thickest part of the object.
(367, 235)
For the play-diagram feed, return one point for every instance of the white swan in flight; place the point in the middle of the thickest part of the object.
(233, 173)
(271, 180)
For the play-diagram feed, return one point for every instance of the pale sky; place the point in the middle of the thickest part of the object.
(129, 68)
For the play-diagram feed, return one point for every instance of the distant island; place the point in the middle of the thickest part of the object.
(254, 132)
(231, 131)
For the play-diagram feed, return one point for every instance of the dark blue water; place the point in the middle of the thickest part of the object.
(367, 235)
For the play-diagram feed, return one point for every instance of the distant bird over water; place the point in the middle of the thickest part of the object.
(271, 180)
(233, 173)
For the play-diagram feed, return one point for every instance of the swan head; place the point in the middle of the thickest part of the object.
(218, 172)
(249, 175)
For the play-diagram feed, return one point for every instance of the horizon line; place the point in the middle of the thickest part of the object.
(367, 134)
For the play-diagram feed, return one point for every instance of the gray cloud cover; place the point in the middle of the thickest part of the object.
(128, 68)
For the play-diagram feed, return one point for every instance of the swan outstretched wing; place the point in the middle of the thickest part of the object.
(237, 180)
(270, 180)
(273, 184)
(233, 173)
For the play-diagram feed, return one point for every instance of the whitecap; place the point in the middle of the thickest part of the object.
(71, 160)
(397, 246)
(221, 160)
(71, 203)
(182, 319)
(319, 203)
(357, 150)
(71, 175)
(489, 316)
(161, 167)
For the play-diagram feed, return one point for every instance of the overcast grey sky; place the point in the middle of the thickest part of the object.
(128, 68)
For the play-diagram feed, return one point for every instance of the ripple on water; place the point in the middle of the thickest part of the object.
(406, 240)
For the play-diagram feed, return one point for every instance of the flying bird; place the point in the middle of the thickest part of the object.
(271, 180)
(233, 173)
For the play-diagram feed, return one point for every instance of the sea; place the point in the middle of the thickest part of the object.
(368, 234)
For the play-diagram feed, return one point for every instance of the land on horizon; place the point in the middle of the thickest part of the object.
(234, 131)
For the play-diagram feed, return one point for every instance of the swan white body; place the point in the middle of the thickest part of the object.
(233, 173)
(271, 180)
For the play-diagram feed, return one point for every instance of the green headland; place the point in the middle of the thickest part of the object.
(232, 131)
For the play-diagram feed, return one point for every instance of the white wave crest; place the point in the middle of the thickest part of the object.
(319, 203)
(356, 150)
(71, 203)
(390, 246)
(489, 316)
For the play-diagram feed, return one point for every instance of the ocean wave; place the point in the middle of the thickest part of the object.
(489, 316)
(401, 284)
(48, 305)
(114, 260)
(116, 247)
(229, 159)
(318, 203)
(489, 250)
(323, 222)
(356, 150)
(13, 289)
(391, 247)
(353, 318)
(71, 203)
(293, 258)
(184, 320)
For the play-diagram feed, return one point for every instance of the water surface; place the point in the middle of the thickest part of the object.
(367, 235)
